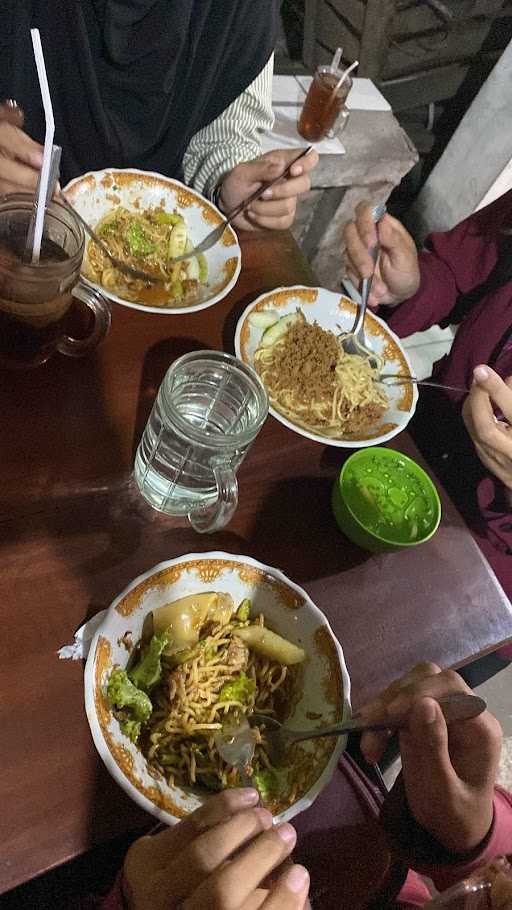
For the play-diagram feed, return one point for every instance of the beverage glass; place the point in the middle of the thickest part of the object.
(487, 888)
(324, 112)
(35, 299)
(209, 409)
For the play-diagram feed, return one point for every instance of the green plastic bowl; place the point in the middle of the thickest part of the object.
(407, 488)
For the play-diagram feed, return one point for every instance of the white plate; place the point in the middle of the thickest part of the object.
(324, 688)
(98, 192)
(334, 311)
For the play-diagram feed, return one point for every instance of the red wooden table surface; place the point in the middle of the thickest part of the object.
(73, 532)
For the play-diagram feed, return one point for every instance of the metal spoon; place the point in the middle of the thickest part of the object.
(210, 240)
(235, 744)
(278, 738)
(354, 342)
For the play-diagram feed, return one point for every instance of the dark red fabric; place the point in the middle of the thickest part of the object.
(454, 263)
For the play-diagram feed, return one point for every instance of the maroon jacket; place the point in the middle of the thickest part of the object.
(453, 264)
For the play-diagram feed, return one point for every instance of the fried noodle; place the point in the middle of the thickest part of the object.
(180, 738)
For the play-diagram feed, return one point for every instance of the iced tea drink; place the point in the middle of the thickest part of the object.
(35, 299)
(324, 107)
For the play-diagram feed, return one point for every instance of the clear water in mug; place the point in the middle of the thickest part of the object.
(173, 471)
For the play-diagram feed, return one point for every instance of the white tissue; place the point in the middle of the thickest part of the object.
(79, 649)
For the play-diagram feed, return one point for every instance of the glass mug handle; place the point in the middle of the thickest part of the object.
(217, 516)
(100, 309)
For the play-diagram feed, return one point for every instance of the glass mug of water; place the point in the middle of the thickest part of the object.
(36, 299)
(209, 409)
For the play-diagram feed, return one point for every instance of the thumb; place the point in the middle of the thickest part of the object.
(424, 744)
(488, 383)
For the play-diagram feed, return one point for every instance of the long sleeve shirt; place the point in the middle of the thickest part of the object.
(454, 263)
(233, 137)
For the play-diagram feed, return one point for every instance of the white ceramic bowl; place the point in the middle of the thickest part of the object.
(324, 690)
(336, 313)
(98, 192)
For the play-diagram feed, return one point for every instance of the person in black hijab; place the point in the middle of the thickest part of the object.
(163, 85)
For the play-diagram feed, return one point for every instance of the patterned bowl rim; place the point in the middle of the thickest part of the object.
(90, 684)
(98, 176)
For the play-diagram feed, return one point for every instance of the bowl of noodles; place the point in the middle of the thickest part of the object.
(145, 219)
(290, 336)
(186, 650)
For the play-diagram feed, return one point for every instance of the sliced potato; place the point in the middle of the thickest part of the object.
(271, 645)
(183, 618)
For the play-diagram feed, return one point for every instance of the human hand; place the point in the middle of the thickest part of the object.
(397, 274)
(20, 157)
(449, 777)
(276, 208)
(491, 437)
(218, 857)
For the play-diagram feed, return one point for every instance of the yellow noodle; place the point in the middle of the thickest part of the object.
(316, 385)
(179, 741)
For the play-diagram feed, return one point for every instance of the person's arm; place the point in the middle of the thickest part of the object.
(415, 290)
(498, 842)
(444, 815)
(452, 263)
(233, 137)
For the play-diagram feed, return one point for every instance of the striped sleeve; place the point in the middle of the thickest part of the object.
(231, 138)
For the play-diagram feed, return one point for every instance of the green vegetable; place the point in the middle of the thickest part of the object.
(203, 268)
(267, 784)
(147, 672)
(240, 689)
(109, 228)
(244, 610)
(168, 218)
(131, 729)
(176, 290)
(138, 241)
(136, 705)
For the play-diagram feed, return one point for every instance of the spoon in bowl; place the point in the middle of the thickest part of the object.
(279, 739)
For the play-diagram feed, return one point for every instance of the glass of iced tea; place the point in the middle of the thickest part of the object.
(325, 112)
(36, 300)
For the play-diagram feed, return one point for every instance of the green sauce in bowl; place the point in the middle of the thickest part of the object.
(384, 500)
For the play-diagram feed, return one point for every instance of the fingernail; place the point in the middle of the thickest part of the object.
(297, 879)
(287, 833)
(481, 373)
(248, 796)
(36, 159)
(265, 817)
(267, 194)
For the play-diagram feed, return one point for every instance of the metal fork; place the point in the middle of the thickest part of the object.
(354, 342)
(210, 240)
(401, 378)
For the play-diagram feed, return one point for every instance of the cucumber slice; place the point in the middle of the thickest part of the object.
(276, 331)
(263, 320)
(192, 267)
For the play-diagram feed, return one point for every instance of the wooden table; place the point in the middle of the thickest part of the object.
(73, 532)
